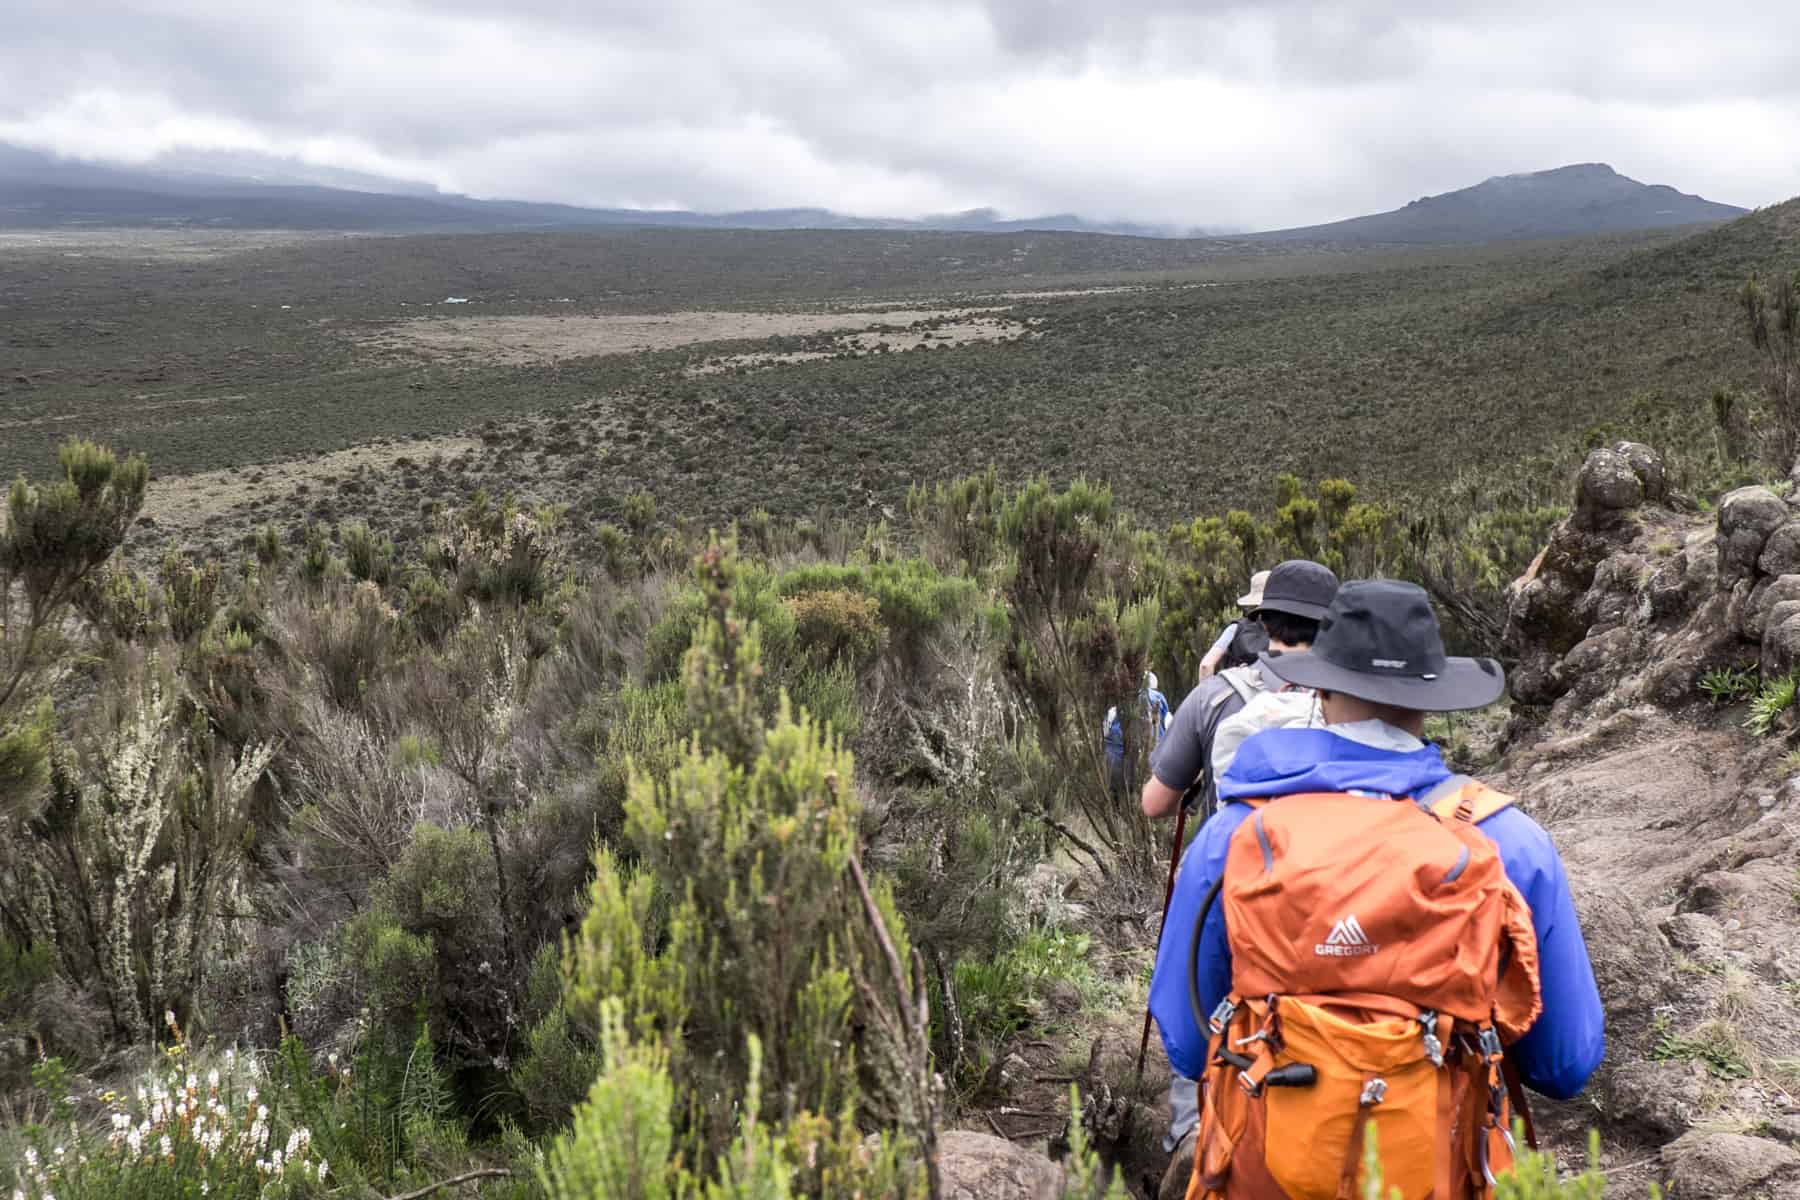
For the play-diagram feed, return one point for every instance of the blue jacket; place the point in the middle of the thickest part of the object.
(1565, 1045)
(1156, 711)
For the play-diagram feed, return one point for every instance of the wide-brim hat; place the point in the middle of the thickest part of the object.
(1298, 587)
(1253, 597)
(1379, 641)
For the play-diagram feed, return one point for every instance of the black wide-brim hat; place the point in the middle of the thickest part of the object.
(1379, 641)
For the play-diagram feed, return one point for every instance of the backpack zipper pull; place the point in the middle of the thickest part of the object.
(1434, 1048)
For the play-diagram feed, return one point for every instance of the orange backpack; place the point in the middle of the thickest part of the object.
(1381, 961)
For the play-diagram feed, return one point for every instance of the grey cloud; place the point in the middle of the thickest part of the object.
(1249, 112)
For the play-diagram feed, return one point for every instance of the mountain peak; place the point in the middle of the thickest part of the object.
(1566, 201)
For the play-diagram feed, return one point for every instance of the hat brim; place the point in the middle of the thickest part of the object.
(1250, 600)
(1464, 683)
(1294, 608)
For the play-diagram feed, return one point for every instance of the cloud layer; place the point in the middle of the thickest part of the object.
(1247, 113)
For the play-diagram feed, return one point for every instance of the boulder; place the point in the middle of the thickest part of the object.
(1781, 553)
(1786, 1129)
(1725, 1166)
(1747, 518)
(1662, 1098)
(1595, 667)
(1606, 487)
(1648, 466)
(1760, 604)
(1697, 935)
(980, 1166)
(1781, 642)
(1612, 599)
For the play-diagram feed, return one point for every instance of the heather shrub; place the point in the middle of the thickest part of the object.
(144, 797)
(835, 626)
(345, 640)
(432, 944)
(746, 846)
(55, 537)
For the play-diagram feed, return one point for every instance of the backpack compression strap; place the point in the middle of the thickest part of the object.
(1464, 799)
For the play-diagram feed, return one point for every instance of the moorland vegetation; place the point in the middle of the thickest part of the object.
(609, 852)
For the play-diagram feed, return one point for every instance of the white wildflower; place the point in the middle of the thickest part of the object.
(212, 1078)
(168, 1147)
(324, 1165)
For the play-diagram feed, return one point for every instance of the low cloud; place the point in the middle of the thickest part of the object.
(1262, 114)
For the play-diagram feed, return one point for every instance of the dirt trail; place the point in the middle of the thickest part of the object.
(1685, 881)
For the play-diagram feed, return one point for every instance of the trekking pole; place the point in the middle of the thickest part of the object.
(1168, 895)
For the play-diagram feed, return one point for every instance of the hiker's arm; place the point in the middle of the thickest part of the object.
(1566, 1044)
(1178, 760)
(1159, 799)
(1216, 655)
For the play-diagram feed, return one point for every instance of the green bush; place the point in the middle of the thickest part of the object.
(836, 626)
(749, 839)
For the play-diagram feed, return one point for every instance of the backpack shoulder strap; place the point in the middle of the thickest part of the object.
(1239, 681)
(1464, 799)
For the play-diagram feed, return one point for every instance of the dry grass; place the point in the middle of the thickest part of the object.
(187, 502)
(523, 340)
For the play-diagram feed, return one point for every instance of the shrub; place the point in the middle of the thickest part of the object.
(54, 538)
(836, 626)
(750, 840)
(145, 799)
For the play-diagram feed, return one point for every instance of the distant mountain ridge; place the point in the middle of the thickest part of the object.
(1584, 198)
(38, 191)
(249, 191)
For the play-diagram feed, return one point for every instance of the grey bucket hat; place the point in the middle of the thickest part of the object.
(1380, 642)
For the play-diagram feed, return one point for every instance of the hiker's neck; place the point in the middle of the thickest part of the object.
(1339, 709)
(1277, 646)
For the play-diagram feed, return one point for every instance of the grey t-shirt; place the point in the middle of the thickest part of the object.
(1186, 748)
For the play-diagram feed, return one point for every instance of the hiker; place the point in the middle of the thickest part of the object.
(1112, 736)
(1293, 599)
(1243, 639)
(1360, 890)
(1289, 600)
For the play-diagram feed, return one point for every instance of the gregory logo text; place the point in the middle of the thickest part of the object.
(1347, 940)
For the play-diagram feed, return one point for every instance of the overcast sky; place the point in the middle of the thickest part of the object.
(1252, 114)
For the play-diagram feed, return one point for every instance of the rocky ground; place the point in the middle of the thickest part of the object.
(1679, 827)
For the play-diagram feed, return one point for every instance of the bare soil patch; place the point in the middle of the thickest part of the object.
(158, 244)
(523, 340)
(871, 341)
(188, 502)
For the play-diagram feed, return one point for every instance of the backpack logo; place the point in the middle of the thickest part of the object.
(1347, 940)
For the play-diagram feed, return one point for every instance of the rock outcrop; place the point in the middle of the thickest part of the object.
(1631, 603)
(980, 1166)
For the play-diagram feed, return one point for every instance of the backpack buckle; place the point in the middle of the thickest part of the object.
(1491, 1048)
(1221, 1016)
(1434, 1047)
(1373, 1093)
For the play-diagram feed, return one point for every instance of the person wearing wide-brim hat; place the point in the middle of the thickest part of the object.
(1378, 666)
(1379, 646)
(1216, 655)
